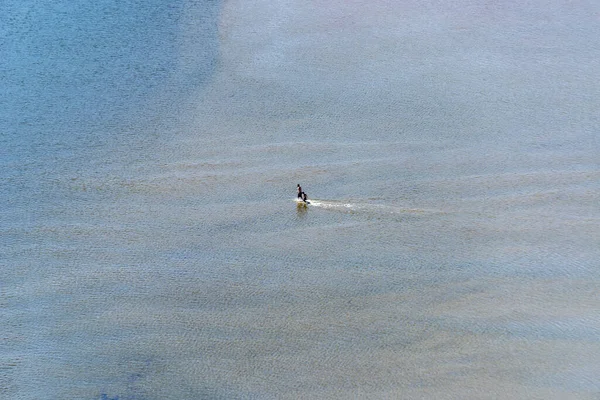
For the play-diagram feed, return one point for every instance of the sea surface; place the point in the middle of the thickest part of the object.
(150, 242)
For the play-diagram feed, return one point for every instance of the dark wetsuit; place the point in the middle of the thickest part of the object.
(299, 192)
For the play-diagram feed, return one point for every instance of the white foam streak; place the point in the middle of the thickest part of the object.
(364, 207)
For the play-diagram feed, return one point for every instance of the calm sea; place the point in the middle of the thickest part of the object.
(151, 247)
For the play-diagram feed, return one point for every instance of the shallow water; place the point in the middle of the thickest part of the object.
(152, 247)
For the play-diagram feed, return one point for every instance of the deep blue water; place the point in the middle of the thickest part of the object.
(87, 87)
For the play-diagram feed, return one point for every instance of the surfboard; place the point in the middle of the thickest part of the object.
(302, 202)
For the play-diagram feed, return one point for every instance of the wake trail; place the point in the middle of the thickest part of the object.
(364, 207)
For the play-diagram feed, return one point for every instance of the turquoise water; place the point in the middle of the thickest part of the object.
(152, 247)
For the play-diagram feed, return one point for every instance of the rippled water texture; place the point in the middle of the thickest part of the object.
(152, 247)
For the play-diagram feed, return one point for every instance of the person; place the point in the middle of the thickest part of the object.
(300, 191)
(304, 197)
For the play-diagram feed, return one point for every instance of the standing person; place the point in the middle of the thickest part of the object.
(300, 191)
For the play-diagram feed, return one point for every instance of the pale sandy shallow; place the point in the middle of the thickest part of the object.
(450, 252)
